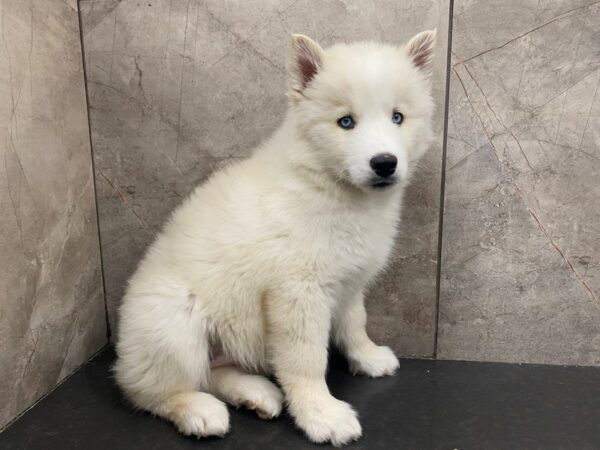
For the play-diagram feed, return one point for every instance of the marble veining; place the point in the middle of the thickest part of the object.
(51, 303)
(521, 256)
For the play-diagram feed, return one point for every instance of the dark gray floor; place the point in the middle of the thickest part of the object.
(427, 405)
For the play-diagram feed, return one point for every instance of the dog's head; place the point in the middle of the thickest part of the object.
(365, 108)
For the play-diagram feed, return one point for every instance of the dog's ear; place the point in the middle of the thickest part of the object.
(304, 61)
(420, 50)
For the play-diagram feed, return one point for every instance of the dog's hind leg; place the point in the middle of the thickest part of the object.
(255, 392)
(163, 362)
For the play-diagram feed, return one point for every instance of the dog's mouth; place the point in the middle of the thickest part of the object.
(382, 183)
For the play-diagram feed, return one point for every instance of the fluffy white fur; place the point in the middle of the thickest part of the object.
(266, 262)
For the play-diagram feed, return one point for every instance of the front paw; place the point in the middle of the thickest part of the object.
(376, 361)
(328, 420)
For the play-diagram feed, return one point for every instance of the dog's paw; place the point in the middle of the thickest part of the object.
(261, 396)
(201, 415)
(329, 420)
(377, 361)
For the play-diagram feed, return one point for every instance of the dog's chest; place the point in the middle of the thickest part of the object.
(355, 248)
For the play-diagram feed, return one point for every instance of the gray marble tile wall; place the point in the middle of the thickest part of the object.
(52, 315)
(180, 88)
(521, 237)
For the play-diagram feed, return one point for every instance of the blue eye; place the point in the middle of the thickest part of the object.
(346, 122)
(397, 118)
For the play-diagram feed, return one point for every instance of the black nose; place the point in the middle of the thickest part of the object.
(384, 164)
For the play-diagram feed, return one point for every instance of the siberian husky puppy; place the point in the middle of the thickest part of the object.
(268, 261)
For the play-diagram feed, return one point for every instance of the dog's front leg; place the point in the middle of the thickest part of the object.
(350, 335)
(299, 321)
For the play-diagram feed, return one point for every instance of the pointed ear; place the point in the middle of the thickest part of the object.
(420, 49)
(304, 61)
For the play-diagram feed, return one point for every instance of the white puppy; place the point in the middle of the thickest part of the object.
(269, 259)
